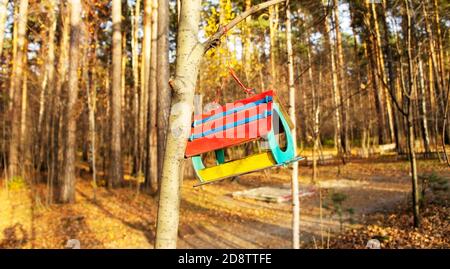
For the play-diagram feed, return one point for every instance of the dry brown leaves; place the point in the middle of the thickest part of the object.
(396, 230)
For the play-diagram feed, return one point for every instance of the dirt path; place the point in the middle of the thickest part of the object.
(210, 217)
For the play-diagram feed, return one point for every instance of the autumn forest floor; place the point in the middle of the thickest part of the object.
(372, 196)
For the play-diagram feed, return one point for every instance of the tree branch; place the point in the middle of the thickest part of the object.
(214, 40)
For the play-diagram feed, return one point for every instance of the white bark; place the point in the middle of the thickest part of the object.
(294, 180)
(189, 54)
(3, 13)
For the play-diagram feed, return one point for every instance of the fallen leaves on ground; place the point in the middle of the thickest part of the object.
(396, 230)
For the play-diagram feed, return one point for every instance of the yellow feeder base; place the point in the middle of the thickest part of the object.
(238, 167)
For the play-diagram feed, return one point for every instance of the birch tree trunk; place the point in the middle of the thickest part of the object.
(423, 109)
(292, 114)
(273, 14)
(3, 13)
(247, 43)
(189, 54)
(67, 194)
(16, 87)
(116, 110)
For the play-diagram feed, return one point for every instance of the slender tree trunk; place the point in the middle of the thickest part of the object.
(25, 134)
(273, 10)
(91, 93)
(411, 91)
(433, 75)
(16, 87)
(116, 110)
(441, 59)
(292, 114)
(423, 109)
(135, 63)
(315, 115)
(14, 55)
(391, 74)
(163, 68)
(3, 14)
(342, 80)
(67, 194)
(335, 89)
(152, 154)
(145, 82)
(247, 42)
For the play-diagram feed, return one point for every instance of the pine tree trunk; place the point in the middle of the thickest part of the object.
(145, 84)
(57, 109)
(381, 72)
(116, 110)
(48, 87)
(152, 154)
(335, 89)
(392, 79)
(16, 87)
(135, 63)
(342, 79)
(374, 68)
(67, 194)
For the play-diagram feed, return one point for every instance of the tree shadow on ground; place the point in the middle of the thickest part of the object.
(144, 226)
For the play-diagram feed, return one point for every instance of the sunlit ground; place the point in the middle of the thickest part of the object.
(373, 193)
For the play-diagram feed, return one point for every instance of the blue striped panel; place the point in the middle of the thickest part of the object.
(266, 99)
(263, 115)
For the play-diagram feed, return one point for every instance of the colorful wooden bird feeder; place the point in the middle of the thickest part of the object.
(259, 117)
